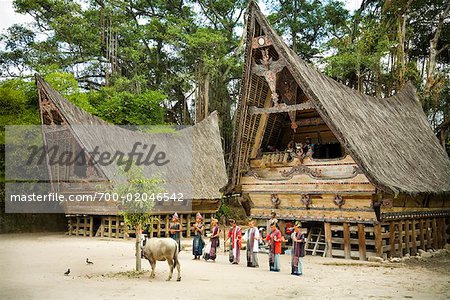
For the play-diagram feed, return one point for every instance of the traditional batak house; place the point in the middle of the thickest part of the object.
(102, 218)
(372, 180)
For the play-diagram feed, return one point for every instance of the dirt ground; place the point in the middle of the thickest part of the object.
(32, 267)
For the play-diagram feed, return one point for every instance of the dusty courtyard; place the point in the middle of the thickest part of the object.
(32, 267)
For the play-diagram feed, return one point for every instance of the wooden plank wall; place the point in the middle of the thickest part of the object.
(387, 239)
(407, 236)
(114, 226)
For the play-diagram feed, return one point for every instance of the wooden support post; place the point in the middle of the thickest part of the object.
(329, 245)
(188, 225)
(109, 226)
(117, 227)
(443, 229)
(392, 252)
(91, 226)
(347, 246)
(181, 224)
(102, 227)
(378, 240)
(434, 233)
(158, 226)
(84, 225)
(413, 237)
(167, 226)
(428, 228)
(78, 226)
(70, 226)
(421, 235)
(361, 242)
(407, 237)
(400, 238)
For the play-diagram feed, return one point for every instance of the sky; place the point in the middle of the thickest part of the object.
(8, 17)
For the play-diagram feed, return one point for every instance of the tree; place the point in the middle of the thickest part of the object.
(137, 213)
(308, 24)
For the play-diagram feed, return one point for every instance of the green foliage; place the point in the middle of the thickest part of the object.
(18, 104)
(137, 213)
(224, 210)
(308, 24)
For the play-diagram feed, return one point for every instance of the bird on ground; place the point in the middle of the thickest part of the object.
(67, 272)
(89, 262)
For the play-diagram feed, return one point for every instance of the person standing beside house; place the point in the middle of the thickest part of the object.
(252, 238)
(235, 233)
(214, 240)
(197, 244)
(176, 229)
(274, 239)
(273, 219)
(298, 249)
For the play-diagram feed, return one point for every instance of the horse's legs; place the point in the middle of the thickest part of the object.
(170, 262)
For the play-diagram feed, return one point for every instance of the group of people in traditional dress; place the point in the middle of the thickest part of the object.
(252, 236)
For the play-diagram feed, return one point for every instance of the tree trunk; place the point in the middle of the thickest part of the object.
(434, 52)
(138, 248)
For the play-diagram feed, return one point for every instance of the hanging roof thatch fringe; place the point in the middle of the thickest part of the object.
(389, 138)
(207, 173)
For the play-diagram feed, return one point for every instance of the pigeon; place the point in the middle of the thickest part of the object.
(89, 262)
(67, 272)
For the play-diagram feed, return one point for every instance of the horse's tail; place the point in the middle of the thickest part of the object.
(175, 255)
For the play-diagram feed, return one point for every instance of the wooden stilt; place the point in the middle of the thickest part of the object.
(117, 227)
(347, 246)
(414, 237)
(109, 226)
(188, 225)
(407, 238)
(329, 245)
(361, 242)
(428, 228)
(70, 226)
(158, 226)
(378, 240)
(102, 227)
(400, 238)
(77, 232)
(392, 252)
(181, 224)
(422, 235)
(166, 234)
(84, 225)
(91, 226)
(434, 233)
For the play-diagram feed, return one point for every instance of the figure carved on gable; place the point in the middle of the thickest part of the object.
(269, 70)
(306, 200)
(275, 201)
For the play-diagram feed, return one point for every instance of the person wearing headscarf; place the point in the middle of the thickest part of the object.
(176, 230)
(214, 240)
(197, 247)
(235, 234)
(275, 239)
(298, 249)
(252, 238)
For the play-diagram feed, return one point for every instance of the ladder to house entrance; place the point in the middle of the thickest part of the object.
(315, 242)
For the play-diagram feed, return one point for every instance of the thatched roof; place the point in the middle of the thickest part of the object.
(206, 170)
(389, 138)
